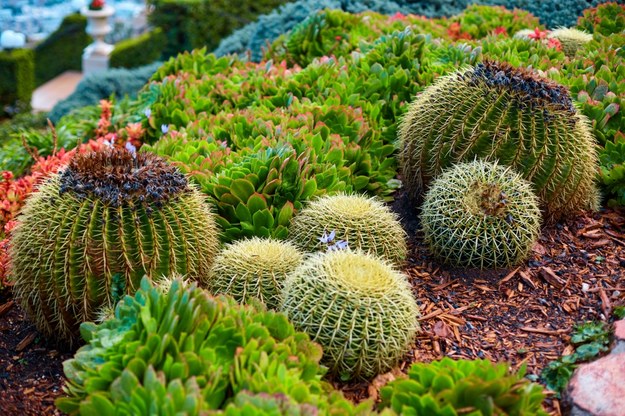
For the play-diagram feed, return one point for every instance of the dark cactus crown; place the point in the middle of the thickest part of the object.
(531, 89)
(118, 177)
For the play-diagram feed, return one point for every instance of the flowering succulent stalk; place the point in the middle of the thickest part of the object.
(92, 231)
(494, 111)
(255, 267)
(355, 220)
(358, 307)
(479, 214)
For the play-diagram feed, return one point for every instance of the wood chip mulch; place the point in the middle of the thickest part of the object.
(522, 316)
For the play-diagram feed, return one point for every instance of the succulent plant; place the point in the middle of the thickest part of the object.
(480, 214)
(358, 307)
(571, 39)
(449, 388)
(497, 112)
(255, 267)
(91, 232)
(364, 223)
(172, 349)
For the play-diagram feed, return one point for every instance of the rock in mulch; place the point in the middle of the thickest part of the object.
(598, 388)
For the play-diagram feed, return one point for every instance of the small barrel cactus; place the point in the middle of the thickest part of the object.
(256, 268)
(91, 232)
(571, 40)
(363, 223)
(494, 111)
(480, 214)
(359, 308)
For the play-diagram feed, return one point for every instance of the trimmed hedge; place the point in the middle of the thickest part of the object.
(17, 80)
(142, 50)
(62, 50)
(191, 24)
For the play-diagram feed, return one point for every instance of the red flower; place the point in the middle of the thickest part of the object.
(554, 43)
(538, 34)
(96, 5)
(500, 31)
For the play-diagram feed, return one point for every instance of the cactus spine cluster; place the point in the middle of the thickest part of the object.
(91, 232)
(480, 214)
(494, 111)
(256, 267)
(359, 308)
(571, 40)
(364, 223)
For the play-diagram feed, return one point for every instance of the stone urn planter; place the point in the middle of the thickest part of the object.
(98, 27)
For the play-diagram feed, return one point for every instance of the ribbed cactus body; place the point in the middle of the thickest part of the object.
(480, 214)
(256, 267)
(496, 112)
(91, 232)
(571, 39)
(364, 223)
(359, 308)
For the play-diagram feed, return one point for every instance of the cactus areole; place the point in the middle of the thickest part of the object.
(497, 112)
(91, 232)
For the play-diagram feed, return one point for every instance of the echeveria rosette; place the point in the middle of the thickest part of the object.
(357, 306)
(443, 388)
(498, 112)
(175, 349)
(480, 214)
(91, 232)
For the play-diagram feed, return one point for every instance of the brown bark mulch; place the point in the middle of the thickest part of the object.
(522, 316)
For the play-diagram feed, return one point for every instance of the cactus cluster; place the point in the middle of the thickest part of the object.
(571, 39)
(497, 112)
(480, 214)
(359, 308)
(91, 232)
(255, 267)
(364, 223)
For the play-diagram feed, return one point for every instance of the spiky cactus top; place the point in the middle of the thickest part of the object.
(359, 308)
(363, 223)
(480, 214)
(494, 111)
(571, 39)
(255, 267)
(91, 232)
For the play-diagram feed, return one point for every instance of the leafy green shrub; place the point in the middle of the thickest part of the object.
(176, 350)
(359, 308)
(476, 387)
(479, 214)
(363, 223)
(605, 19)
(192, 24)
(612, 173)
(139, 51)
(497, 112)
(62, 50)
(590, 339)
(90, 233)
(17, 80)
(480, 21)
(102, 85)
(254, 267)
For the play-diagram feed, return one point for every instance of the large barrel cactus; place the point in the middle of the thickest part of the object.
(359, 308)
(480, 214)
(91, 232)
(494, 111)
(363, 223)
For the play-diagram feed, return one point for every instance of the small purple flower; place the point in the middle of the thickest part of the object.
(164, 128)
(341, 245)
(107, 143)
(147, 112)
(132, 149)
(326, 238)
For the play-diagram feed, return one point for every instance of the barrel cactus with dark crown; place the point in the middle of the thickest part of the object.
(494, 111)
(92, 231)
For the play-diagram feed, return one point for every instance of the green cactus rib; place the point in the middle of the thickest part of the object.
(359, 308)
(74, 254)
(364, 223)
(496, 112)
(571, 39)
(480, 214)
(256, 267)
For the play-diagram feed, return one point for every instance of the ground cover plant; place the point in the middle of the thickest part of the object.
(345, 107)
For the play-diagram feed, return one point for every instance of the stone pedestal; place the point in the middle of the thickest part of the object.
(96, 56)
